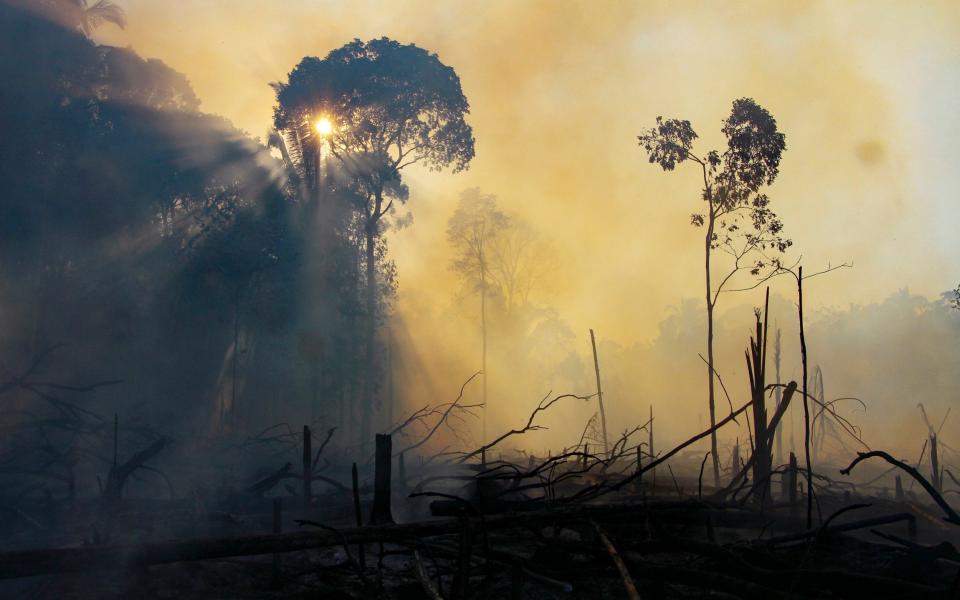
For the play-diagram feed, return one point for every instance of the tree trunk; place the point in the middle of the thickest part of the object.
(756, 367)
(307, 466)
(381, 481)
(236, 357)
(603, 415)
(779, 396)
(935, 463)
(710, 367)
(483, 336)
(806, 402)
(371, 333)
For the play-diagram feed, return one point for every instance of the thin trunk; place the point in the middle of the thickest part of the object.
(236, 352)
(806, 402)
(756, 366)
(603, 415)
(381, 480)
(389, 376)
(307, 466)
(371, 327)
(653, 474)
(779, 395)
(934, 463)
(356, 510)
(710, 365)
(483, 335)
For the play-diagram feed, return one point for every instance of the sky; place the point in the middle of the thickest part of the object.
(866, 93)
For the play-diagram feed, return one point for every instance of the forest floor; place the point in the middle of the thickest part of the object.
(644, 542)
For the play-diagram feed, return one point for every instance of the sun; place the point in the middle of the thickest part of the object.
(324, 126)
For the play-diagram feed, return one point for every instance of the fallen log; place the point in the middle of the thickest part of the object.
(628, 584)
(27, 563)
(852, 526)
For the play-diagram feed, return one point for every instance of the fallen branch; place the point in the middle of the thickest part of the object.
(27, 563)
(952, 516)
(542, 406)
(428, 588)
(628, 584)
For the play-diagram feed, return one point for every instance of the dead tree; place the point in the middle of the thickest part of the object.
(756, 369)
(381, 481)
(118, 475)
(603, 415)
(307, 466)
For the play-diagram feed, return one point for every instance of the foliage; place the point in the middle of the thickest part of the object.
(391, 104)
(739, 216)
(474, 223)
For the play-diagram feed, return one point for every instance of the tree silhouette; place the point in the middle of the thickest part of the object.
(519, 261)
(390, 106)
(738, 220)
(471, 230)
(80, 15)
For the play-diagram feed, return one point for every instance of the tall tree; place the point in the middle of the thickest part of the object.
(520, 260)
(389, 105)
(471, 230)
(738, 220)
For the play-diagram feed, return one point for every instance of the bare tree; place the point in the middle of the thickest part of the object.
(520, 260)
(474, 224)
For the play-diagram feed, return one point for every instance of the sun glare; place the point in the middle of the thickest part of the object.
(324, 126)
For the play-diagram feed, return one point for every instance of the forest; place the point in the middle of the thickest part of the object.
(344, 357)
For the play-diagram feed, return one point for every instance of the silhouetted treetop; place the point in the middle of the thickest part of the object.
(668, 143)
(754, 147)
(383, 98)
(732, 180)
(147, 82)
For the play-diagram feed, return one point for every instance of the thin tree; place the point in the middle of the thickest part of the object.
(471, 230)
(778, 395)
(738, 220)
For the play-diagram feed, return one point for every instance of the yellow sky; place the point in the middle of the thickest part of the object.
(866, 92)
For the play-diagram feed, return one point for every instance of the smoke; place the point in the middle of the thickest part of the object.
(558, 92)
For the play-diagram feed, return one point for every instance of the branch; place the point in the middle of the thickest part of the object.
(443, 418)
(544, 405)
(952, 516)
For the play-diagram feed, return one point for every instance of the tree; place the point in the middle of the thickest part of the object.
(471, 229)
(738, 220)
(389, 106)
(519, 261)
(132, 223)
(80, 14)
